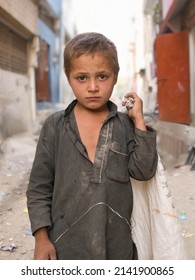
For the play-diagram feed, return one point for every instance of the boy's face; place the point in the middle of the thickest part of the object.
(92, 80)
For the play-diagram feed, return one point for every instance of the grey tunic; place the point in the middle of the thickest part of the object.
(87, 206)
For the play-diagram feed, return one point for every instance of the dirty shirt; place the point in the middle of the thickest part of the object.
(87, 206)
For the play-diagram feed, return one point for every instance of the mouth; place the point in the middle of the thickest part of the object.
(92, 97)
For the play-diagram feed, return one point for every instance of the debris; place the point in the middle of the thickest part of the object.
(9, 248)
(23, 199)
(176, 174)
(182, 216)
(188, 234)
(25, 210)
(28, 232)
(192, 198)
(191, 158)
(8, 174)
(178, 166)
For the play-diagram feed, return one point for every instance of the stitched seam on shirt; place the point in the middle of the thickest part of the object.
(102, 163)
(119, 152)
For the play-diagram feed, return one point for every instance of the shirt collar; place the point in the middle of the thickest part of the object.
(111, 106)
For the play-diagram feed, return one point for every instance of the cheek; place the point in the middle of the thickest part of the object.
(110, 87)
(74, 85)
(78, 89)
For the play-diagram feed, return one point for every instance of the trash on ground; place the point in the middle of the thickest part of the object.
(182, 216)
(28, 232)
(188, 235)
(9, 248)
(25, 210)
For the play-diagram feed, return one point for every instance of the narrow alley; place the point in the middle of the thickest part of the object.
(155, 42)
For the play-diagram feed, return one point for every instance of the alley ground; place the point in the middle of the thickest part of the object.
(16, 241)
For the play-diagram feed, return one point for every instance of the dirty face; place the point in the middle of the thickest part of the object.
(92, 80)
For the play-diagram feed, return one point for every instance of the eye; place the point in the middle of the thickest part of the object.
(82, 78)
(102, 77)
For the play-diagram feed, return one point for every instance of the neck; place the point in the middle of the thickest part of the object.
(87, 111)
(89, 114)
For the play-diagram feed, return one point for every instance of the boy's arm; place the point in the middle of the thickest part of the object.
(143, 155)
(40, 188)
(144, 159)
(140, 123)
(136, 112)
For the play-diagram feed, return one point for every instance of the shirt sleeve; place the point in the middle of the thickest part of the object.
(143, 156)
(40, 188)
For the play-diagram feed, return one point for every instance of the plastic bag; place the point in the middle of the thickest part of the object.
(155, 228)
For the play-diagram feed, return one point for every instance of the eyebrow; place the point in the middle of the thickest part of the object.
(99, 72)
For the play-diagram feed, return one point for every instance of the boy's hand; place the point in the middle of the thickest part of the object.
(136, 112)
(44, 248)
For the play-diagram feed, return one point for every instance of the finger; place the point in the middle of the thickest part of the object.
(130, 94)
(52, 256)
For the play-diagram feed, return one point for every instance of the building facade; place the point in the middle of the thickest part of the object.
(47, 72)
(172, 67)
(32, 38)
(18, 49)
(55, 28)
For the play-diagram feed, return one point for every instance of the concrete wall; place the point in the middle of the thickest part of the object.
(17, 91)
(24, 11)
(174, 140)
(15, 114)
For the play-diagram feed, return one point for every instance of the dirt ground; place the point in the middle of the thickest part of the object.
(16, 241)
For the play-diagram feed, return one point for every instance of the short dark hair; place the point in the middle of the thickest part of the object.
(90, 43)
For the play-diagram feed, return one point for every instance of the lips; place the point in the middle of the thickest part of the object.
(92, 97)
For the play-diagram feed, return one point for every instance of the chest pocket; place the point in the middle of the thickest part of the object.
(117, 164)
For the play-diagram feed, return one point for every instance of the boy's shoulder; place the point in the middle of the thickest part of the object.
(55, 117)
(123, 116)
(53, 121)
(125, 119)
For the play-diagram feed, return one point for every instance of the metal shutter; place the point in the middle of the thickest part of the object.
(13, 51)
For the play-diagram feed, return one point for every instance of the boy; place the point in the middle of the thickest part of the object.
(79, 195)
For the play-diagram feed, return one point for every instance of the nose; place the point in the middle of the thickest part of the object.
(92, 86)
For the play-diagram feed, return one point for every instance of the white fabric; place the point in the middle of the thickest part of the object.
(155, 227)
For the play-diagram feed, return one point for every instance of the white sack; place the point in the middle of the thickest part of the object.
(155, 227)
